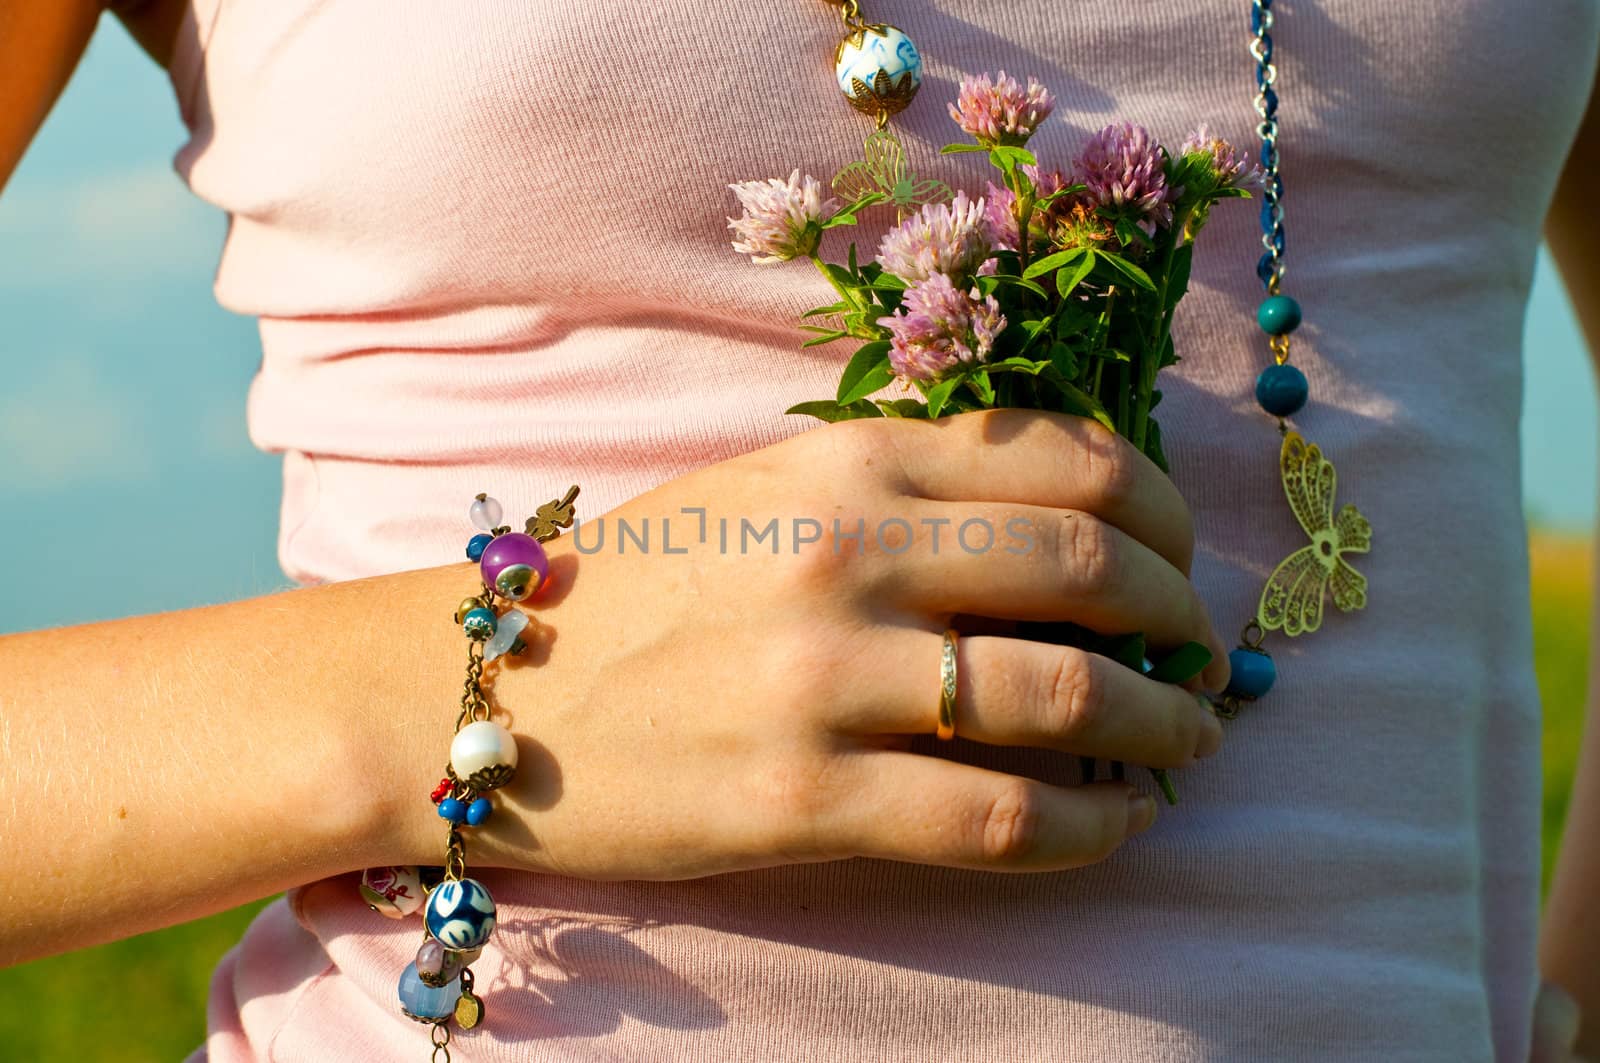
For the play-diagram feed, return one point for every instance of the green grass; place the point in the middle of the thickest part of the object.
(144, 999)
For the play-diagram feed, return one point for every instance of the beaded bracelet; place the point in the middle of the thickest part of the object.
(458, 913)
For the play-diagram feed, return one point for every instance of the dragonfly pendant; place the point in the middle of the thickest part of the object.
(1293, 598)
(882, 168)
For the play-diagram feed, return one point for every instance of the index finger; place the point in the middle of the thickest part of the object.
(1045, 459)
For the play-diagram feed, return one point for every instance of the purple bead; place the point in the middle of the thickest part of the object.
(515, 565)
(437, 965)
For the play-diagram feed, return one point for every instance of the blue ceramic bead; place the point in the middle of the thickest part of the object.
(1253, 673)
(460, 913)
(477, 545)
(1281, 390)
(452, 810)
(1279, 315)
(423, 1001)
(479, 624)
(478, 811)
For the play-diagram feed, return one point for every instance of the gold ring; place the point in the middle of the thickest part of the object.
(947, 686)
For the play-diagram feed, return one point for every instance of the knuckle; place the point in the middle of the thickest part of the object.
(1010, 825)
(1088, 555)
(1111, 465)
(792, 801)
(1076, 701)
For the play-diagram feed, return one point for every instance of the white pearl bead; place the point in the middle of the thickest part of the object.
(485, 514)
(483, 755)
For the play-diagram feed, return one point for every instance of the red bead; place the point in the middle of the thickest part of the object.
(442, 791)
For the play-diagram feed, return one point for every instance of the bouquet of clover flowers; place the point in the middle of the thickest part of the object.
(1053, 290)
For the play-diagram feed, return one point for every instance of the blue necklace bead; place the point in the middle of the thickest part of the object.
(1279, 315)
(1253, 672)
(478, 812)
(422, 1001)
(460, 913)
(1281, 390)
(453, 810)
(477, 545)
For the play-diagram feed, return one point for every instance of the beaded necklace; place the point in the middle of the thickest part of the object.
(879, 71)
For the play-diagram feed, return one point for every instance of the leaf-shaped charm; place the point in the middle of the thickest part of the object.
(551, 517)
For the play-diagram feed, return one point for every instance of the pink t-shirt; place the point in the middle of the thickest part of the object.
(486, 243)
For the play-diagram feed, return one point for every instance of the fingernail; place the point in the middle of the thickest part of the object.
(1141, 811)
(1210, 728)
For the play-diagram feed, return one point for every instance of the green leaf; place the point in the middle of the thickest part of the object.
(853, 271)
(1068, 278)
(1083, 404)
(828, 336)
(982, 387)
(1129, 234)
(876, 378)
(939, 395)
(1126, 650)
(961, 149)
(1064, 360)
(911, 409)
(1056, 261)
(863, 362)
(833, 411)
(847, 214)
(1182, 664)
(1018, 364)
(836, 308)
(1178, 279)
(888, 282)
(1129, 270)
(1152, 446)
(1018, 282)
(1007, 158)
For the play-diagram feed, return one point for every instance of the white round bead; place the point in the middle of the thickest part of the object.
(890, 51)
(485, 513)
(483, 755)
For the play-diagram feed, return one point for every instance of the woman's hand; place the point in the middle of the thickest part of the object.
(703, 708)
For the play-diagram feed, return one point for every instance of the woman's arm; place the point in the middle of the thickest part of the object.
(1570, 939)
(41, 42)
(164, 767)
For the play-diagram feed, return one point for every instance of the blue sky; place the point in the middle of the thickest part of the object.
(127, 483)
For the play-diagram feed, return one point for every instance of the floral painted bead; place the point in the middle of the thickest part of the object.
(869, 52)
(394, 892)
(515, 565)
(427, 1003)
(483, 755)
(479, 624)
(460, 913)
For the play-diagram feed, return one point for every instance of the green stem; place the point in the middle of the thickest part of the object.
(1122, 399)
(1150, 361)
